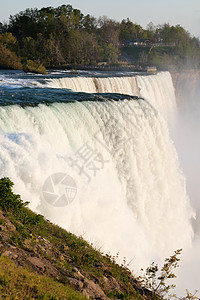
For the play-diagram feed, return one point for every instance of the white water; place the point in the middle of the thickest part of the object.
(136, 204)
(158, 89)
(11, 82)
(188, 147)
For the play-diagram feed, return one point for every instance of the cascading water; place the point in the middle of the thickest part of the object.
(130, 193)
(157, 89)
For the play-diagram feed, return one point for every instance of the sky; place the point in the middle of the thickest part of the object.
(183, 12)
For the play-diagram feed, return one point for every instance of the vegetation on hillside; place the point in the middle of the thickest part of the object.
(21, 283)
(39, 260)
(63, 36)
(36, 255)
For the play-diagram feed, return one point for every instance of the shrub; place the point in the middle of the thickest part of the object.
(34, 67)
(157, 283)
(9, 200)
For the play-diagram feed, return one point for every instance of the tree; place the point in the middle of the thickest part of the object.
(150, 31)
(63, 35)
(8, 39)
(111, 54)
(3, 27)
(127, 31)
(90, 24)
(24, 24)
(8, 58)
(108, 31)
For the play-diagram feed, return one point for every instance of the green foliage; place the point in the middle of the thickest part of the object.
(129, 31)
(2, 222)
(111, 54)
(16, 240)
(8, 59)
(4, 281)
(20, 283)
(3, 27)
(8, 200)
(34, 67)
(64, 36)
(7, 39)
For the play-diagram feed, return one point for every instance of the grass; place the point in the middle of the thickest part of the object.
(18, 283)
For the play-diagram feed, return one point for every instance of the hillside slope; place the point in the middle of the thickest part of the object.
(39, 260)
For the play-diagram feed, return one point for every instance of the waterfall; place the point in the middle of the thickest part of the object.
(130, 196)
(107, 170)
(157, 89)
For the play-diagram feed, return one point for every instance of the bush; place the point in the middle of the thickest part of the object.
(34, 67)
(8, 200)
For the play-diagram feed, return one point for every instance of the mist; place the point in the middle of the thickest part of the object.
(187, 144)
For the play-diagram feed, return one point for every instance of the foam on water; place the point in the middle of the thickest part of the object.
(135, 202)
(12, 82)
(158, 89)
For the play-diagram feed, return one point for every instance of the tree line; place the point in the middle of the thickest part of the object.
(54, 37)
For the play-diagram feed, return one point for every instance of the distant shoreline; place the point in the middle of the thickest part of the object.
(75, 68)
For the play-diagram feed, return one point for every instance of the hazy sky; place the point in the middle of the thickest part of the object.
(183, 12)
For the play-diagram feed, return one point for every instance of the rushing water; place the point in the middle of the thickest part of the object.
(93, 154)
